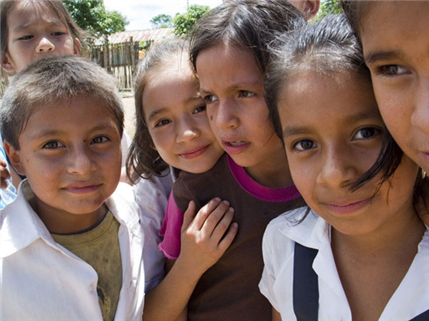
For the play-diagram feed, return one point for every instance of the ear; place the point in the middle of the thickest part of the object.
(14, 158)
(77, 47)
(6, 64)
(311, 8)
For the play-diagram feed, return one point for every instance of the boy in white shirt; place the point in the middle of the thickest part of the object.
(72, 241)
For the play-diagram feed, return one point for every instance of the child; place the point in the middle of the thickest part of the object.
(32, 29)
(365, 257)
(232, 40)
(72, 242)
(175, 127)
(394, 41)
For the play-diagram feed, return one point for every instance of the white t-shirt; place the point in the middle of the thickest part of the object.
(409, 300)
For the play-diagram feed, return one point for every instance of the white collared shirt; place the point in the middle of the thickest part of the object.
(41, 280)
(409, 300)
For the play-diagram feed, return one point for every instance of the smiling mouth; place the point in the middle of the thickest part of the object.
(349, 207)
(195, 153)
(239, 143)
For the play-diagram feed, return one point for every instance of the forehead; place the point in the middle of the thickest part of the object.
(393, 18)
(27, 13)
(227, 66)
(329, 96)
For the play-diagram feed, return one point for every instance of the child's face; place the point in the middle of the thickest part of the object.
(396, 48)
(71, 154)
(33, 33)
(233, 87)
(333, 134)
(177, 120)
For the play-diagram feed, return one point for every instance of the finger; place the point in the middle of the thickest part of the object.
(188, 216)
(4, 173)
(205, 212)
(228, 238)
(214, 218)
(223, 225)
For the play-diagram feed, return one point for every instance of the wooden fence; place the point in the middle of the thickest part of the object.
(119, 59)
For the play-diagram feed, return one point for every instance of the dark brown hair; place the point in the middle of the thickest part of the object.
(57, 6)
(143, 159)
(248, 24)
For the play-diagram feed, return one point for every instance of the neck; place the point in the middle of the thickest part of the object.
(401, 234)
(273, 172)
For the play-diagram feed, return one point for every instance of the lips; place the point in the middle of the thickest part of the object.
(82, 188)
(234, 146)
(194, 153)
(347, 207)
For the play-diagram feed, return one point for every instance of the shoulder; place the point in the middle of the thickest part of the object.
(291, 227)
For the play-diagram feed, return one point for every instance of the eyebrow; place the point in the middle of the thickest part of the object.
(238, 85)
(56, 132)
(164, 109)
(52, 23)
(375, 56)
(300, 130)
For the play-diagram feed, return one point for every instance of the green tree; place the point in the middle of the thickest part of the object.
(183, 22)
(329, 7)
(161, 21)
(92, 16)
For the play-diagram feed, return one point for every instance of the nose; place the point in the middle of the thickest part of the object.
(420, 116)
(81, 162)
(224, 115)
(187, 130)
(45, 45)
(337, 168)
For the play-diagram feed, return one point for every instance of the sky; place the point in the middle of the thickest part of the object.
(140, 12)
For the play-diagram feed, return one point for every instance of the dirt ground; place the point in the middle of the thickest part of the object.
(130, 120)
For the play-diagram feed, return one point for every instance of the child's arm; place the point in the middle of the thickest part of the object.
(204, 239)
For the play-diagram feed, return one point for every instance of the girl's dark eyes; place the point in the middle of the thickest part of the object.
(304, 145)
(392, 70)
(246, 94)
(210, 99)
(366, 132)
(200, 109)
(58, 33)
(52, 145)
(100, 140)
(27, 37)
(162, 122)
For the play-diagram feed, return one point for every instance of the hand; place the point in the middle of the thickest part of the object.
(4, 173)
(205, 237)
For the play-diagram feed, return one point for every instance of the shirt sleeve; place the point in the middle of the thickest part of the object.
(171, 230)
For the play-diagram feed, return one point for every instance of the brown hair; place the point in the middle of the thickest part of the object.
(56, 79)
(6, 6)
(143, 159)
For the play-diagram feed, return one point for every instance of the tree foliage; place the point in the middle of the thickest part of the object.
(92, 16)
(329, 7)
(183, 22)
(161, 21)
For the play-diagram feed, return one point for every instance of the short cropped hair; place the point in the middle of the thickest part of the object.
(51, 80)
(57, 6)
